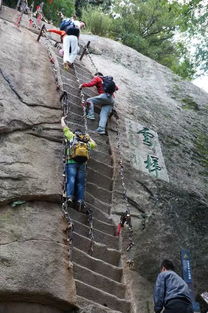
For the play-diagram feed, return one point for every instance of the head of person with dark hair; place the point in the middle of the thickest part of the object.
(79, 132)
(98, 74)
(167, 265)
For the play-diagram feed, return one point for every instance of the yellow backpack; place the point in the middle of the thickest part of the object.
(79, 150)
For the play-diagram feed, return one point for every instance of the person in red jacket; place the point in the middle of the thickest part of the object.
(105, 99)
(96, 81)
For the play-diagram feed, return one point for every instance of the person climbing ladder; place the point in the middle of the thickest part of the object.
(106, 88)
(77, 152)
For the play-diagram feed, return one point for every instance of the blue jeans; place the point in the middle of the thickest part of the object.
(76, 175)
(104, 114)
(106, 101)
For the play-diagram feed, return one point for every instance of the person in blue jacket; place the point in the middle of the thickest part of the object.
(171, 292)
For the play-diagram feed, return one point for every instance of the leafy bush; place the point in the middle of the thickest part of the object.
(97, 22)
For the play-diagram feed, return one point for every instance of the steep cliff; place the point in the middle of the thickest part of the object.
(165, 172)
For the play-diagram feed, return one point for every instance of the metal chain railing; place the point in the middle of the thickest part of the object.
(64, 99)
(91, 59)
(126, 216)
(89, 212)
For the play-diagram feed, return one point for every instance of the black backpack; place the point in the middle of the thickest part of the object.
(109, 85)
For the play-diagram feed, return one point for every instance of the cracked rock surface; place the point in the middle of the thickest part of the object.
(166, 216)
(169, 216)
(33, 256)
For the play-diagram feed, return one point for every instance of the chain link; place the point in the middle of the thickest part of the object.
(126, 216)
(91, 59)
(89, 212)
(64, 99)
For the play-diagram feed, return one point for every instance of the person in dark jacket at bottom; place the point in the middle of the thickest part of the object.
(171, 292)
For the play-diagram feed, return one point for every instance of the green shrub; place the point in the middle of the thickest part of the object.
(97, 22)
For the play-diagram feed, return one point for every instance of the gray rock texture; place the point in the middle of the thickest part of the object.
(167, 215)
(34, 262)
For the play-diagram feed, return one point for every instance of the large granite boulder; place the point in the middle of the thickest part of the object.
(162, 142)
(34, 260)
(165, 117)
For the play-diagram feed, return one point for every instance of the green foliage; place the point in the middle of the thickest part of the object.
(11, 3)
(147, 26)
(97, 22)
(50, 9)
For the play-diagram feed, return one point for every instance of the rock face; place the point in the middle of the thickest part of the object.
(33, 258)
(163, 144)
(168, 213)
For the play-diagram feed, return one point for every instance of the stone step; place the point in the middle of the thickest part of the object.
(70, 81)
(99, 214)
(100, 193)
(82, 70)
(81, 67)
(90, 92)
(83, 76)
(99, 281)
(96, 204)
(99, 225)
(97, 265)
(68, 75)
(93, 307)
(99, 236)
(72, 85)
(100, 167)
(102, 158)
(94, 176)
(100, 251)
(74, 97)
(104, 298)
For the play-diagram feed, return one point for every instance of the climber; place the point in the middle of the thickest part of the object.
(70, 40)
(77, 155)
(171, 291)
(106, 88)
(22, 6)
(61, 33)
(96, 81)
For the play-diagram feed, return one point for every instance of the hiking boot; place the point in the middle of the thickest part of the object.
(69, 201)
(66, 66)
(79, 205)
(100, 130)
(70, 65)
(90, 116)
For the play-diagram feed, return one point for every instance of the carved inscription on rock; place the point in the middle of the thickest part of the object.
(145, 153)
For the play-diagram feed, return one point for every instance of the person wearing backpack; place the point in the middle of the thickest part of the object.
(106, 88)
(77, 153)
(70, 41)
